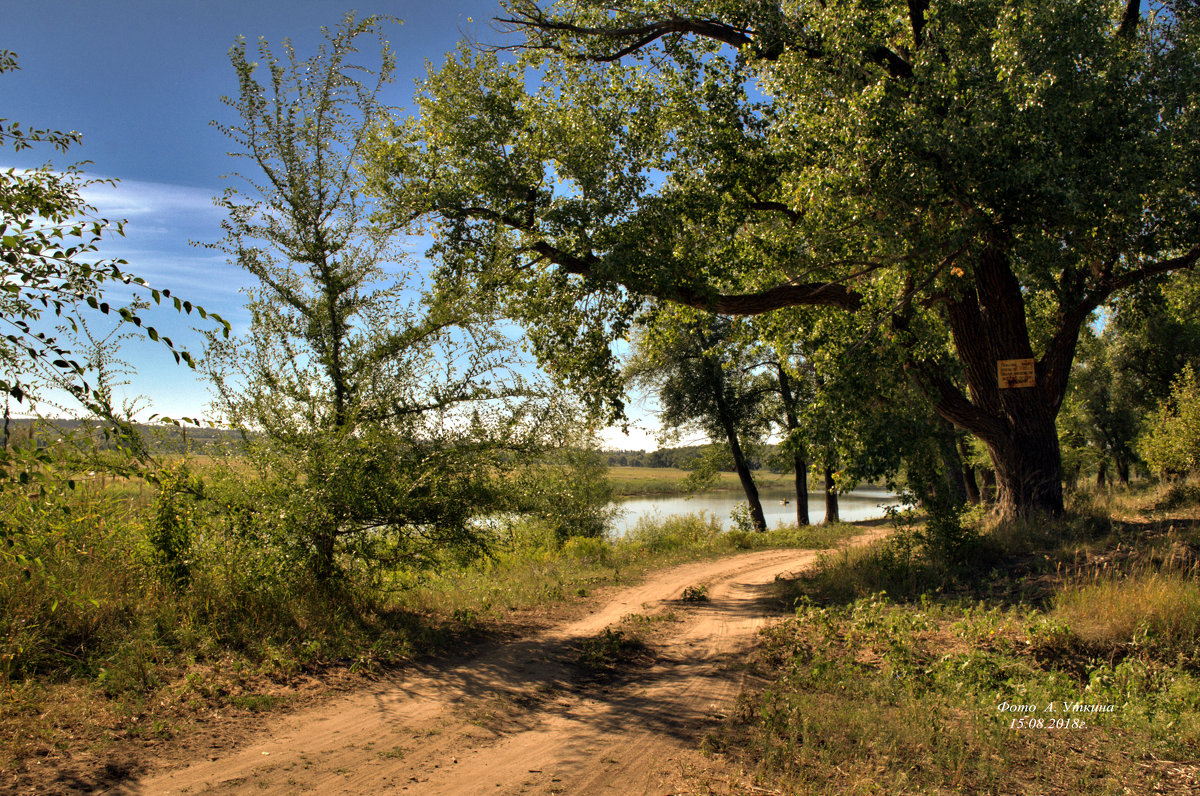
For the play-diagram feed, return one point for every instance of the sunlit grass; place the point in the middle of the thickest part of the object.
(890, 677)
(1156, 608)
(630, 481)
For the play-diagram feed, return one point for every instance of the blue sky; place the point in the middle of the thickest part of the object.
(141, 80)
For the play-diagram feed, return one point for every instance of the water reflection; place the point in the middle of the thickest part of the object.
(860, 504)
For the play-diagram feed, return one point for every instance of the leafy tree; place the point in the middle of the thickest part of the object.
(705, 378)
(1104, 408)
(381, 417)
(1172, 442)
(984, 172)
(1125, 371)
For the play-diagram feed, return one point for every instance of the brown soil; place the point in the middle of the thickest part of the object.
(522, 717)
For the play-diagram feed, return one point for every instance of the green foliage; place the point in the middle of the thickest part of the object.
(741, 520)
(49, 239)
(921, 168)
(174, 521)
(610, 649)
(382, 415)
(1172, 442)
(907, 697)
(569, 490)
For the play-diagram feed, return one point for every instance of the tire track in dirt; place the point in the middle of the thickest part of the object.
(513, 719)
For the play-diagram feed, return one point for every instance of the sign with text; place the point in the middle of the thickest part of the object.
(1015, 373)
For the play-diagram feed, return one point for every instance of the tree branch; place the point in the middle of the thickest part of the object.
(531, 16)
(1130, 278)
(795, 216)
(827, 294)
(916, 15)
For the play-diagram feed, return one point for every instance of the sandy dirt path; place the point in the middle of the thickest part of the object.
(515, 718)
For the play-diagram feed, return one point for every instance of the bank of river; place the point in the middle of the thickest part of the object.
(860, 504)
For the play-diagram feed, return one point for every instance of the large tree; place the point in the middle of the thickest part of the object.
(976, 175)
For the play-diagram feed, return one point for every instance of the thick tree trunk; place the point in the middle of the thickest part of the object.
(1017, 423)
(831, 498)
(799, 453)
(1028, 472)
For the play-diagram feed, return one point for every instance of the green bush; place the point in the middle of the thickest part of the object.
(1171, 445)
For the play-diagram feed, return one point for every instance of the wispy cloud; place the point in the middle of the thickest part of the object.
(135, 199)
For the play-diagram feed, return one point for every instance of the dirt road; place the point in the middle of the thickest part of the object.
(515, 718)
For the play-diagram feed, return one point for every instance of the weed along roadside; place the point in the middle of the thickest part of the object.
(1057, 657)
(167, 671)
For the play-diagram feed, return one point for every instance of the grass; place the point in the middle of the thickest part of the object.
(101, 652)
(1060, 657)
(633, 481)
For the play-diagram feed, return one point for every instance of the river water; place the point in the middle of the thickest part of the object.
(859, 504)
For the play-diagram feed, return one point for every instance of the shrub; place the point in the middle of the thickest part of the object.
(1171, 445)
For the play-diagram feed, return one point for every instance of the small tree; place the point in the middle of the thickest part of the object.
(704, 378)
(50, 275)
(1171, 444)
(382, 414)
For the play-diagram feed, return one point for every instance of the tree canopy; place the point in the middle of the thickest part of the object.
(971, 176)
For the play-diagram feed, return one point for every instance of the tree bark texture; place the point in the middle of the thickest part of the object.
(1017, 424)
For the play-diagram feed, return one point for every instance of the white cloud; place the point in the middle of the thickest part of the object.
(135, 199)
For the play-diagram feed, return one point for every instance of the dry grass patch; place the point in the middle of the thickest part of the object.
(1157, 608)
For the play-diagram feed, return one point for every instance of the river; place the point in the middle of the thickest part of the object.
(860, 504)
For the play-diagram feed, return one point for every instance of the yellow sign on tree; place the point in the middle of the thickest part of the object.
(1015, 373)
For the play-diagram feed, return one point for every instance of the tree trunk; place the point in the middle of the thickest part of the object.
(743, 471)
(748, 486)
(972, 486)
(952, 462)
(831, 498)
(1028, 474)
(1101, 475)
(988, 326)
(801, 490)
(799, 453)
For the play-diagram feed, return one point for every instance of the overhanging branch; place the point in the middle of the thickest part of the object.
(825, 294)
